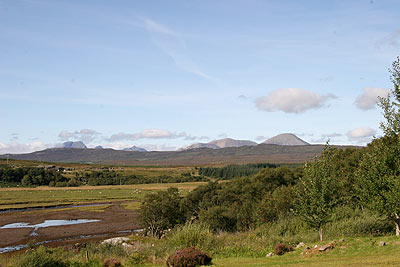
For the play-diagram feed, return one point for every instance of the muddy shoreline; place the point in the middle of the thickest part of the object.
(115, 220)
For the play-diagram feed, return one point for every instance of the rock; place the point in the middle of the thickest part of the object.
(382, 243)
(327, 246)
(115, 240)
(270, 254)
(300, 245)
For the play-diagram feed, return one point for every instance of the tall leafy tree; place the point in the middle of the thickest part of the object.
(316, 192)
(161, 211)
(379, 171)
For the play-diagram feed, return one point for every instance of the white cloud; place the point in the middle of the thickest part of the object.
(16, 148)
(84, 135)
(361, 134)
(117, 145)
(150, 134)
(292, 100)
(369, 97)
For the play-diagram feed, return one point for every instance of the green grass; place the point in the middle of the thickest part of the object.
(352, 252)
(49, 196)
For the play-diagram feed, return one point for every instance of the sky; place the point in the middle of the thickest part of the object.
(166, 74)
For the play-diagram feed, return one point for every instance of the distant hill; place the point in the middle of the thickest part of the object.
(135, 148)
(229, 142)
(286, 139)
(71, 144)
(222, 143)
(202, 156)
(200, 145)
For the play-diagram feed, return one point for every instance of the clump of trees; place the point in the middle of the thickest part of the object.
(39, 176)
(30, 176)
(233, 171)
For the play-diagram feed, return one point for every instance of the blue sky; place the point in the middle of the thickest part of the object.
(166, 74)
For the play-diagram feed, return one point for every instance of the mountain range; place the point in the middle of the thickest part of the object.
(285, 148)
(285, 139)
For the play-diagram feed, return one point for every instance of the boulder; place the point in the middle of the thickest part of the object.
(115, 240)
(327, 246)
(300, 245)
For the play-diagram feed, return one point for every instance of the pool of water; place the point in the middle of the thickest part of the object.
(23, 246)
(46, 223)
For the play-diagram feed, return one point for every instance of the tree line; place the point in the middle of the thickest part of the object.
(232, 171)
(38, 176)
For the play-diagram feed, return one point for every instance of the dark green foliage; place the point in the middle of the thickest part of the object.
(30, 176)
(315, 194)
(161, 211)
(188, 257)
(243, 203)
(379, 178)
(379, 171)
(233, 171)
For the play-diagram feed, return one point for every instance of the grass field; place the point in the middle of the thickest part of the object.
(17, 198)
(363, 251)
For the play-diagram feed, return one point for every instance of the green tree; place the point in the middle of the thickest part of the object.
(315, 193)
(161, 211)
(379, 171)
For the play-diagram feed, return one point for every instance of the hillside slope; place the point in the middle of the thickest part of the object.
(203, 156)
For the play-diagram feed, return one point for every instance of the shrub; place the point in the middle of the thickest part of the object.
(136, 259)
(161, 211)
(193, 235)
(111, 262)
(281, 249)
(349, 222)
(42, 257)
(106, 250)
(188, 257)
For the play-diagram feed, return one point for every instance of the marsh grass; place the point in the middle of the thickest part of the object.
(13, 198)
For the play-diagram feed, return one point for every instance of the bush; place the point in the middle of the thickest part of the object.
(350, 222)
(136, 259)
(43, 257)
(188, 257)
(281, 249)
(161, 211)
(192, 235)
